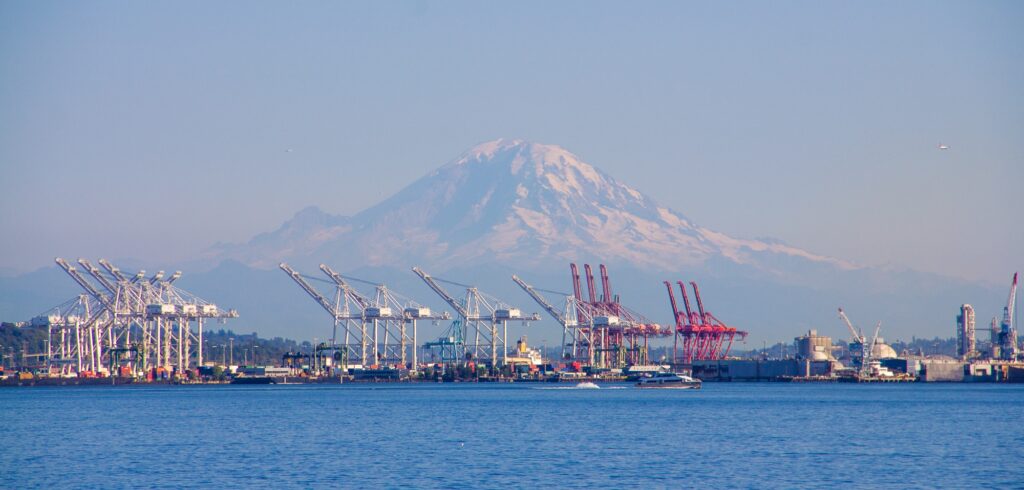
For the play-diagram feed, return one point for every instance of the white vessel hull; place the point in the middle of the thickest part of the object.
(670, 386)
(666, 381)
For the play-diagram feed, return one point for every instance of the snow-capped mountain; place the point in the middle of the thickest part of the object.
(519, 203)
(511, 206)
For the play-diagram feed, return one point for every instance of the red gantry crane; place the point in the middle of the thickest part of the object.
(614, 336)
(703, 336)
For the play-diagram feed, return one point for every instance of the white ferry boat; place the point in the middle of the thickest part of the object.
(669, 380)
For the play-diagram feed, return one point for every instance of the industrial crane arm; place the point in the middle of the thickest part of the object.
(858, 337)
(361, 300)
(870, 351)
(114, 271)
(441, 292)
(86, 285)
(156, 277)
(95, 272)
(310, 290)
(590, 283)
(675, 309)
(690, 315)
(540, 300)
(1012, 300)
(700, 303)
(606, 285)
(174, 277)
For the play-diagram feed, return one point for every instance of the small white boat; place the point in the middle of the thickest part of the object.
(587, 385)
(669, 380)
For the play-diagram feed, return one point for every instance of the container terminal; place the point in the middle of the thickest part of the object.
(134, 328)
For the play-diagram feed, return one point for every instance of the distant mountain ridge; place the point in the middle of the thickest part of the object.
(518, 203)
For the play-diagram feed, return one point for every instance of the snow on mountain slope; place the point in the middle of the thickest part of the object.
(508, 207)
(517, 202)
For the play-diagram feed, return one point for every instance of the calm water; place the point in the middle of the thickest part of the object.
(513, 436)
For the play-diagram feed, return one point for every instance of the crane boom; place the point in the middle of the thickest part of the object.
(114, 271)
(138, 277)
(332, 309)
(577, 291)
(870, 351)
(540, 300)
(700, 303)
(95, 272)
(86, 285)
(361, 300)
(857, 336)
(690, 315)
(174, 277)
(675, 309)
(590, 283)
(448, 298)
(1010, 304)
(606, 285)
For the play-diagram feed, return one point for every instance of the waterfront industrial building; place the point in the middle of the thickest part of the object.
(965, 340)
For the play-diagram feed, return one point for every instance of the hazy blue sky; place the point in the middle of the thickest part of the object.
(152, 130)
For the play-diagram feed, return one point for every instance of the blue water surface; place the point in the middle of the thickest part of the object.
(728, 435)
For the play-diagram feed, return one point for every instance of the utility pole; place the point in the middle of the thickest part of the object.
(231, 349)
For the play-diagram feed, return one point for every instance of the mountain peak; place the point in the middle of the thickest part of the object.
(487, 150)
(518, 202)
(536, 164)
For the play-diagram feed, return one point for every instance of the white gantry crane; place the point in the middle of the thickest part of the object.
(351, 306)
(484, 320)
(346, 311)
(575, 319)
(74, 335)
(393, 318)
(125, 321)
(378, 328)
